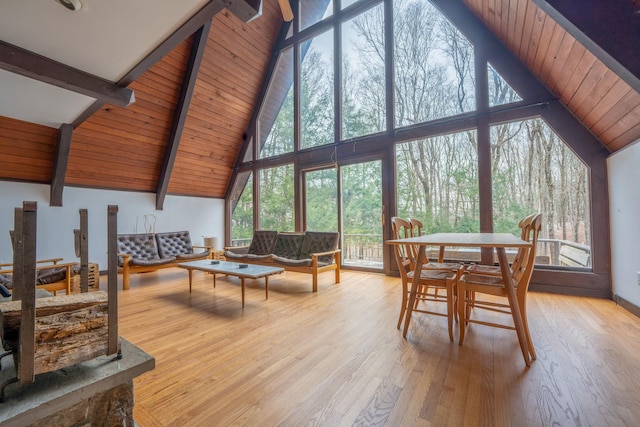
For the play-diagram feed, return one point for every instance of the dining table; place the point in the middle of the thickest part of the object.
(497, 241)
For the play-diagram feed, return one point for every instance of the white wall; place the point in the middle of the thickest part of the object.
(200, 216)
(624, 192)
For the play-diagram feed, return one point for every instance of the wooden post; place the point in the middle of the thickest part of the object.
(84, 251)
(112, 280)
(25, 263)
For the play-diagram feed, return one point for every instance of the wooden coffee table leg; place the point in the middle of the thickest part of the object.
(190, 274)
(266, 287)
(242, 281)
(214, 280)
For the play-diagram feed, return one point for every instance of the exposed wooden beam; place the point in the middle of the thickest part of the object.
(182, 109)
(63, 148)
(34, 66)
(611, 31)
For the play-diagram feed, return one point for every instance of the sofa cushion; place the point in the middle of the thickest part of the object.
(152, 262)
(50, 275)
(288, 245)
(319, 241)
(306, 262)
(139, 246)
(174, 243)
(263, 242)
(6, 280)
(193, 255)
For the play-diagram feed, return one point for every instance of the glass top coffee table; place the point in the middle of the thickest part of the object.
(232, 269)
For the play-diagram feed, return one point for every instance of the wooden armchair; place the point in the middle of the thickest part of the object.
(51, 275)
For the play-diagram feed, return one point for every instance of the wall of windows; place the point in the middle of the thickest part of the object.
(475, 142)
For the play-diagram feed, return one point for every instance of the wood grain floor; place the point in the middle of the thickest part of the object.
(335, 358)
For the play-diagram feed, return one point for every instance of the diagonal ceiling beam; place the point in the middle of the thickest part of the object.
(610, 30)
(34, 66)
(182, 109)
(63, 148)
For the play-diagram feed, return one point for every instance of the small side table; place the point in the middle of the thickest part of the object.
(217, 254)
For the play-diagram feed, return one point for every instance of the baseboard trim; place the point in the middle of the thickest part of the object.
(629, 306)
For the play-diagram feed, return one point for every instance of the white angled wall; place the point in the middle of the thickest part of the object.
(202, 217)
(624, 193)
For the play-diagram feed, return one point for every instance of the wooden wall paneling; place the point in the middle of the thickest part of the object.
(536, 38)
(182, 108)
(504, 22)
(26, 150)
(608, 80)
(525, 42)
(619, 118)
(608, 101)
(591, 84)
(615, 115)
(564, 50)
(557, 39)
(124, 134)
(545, 34)
(573, 81)
(631, 135)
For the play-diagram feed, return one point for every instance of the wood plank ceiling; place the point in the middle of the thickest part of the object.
(599, 98)
(123, 148)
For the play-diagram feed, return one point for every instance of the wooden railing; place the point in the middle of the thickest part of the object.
(367, 250)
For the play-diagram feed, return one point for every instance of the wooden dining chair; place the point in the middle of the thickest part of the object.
(472, 286)
(494, 270)
(431, 281)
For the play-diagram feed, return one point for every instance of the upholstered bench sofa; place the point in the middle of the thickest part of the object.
(141, 253)
(310, 252)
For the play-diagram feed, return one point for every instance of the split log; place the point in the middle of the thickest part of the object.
(69, 329)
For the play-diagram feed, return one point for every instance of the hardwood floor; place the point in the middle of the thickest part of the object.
(335, 358)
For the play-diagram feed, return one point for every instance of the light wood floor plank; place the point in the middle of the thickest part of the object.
(335, 358)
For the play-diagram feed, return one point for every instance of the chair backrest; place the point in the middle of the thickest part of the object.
(404, 253)
(531, 227)
(416, 227)
(525, 234)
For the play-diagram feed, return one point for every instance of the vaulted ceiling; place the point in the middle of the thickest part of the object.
(195, 93)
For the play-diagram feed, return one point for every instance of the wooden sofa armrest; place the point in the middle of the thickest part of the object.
(332, 252)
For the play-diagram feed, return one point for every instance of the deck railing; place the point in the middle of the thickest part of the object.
(367, 250)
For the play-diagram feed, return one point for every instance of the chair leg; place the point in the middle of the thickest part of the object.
(462, 310)
(450, 307)
(403, 308)
(525, 323)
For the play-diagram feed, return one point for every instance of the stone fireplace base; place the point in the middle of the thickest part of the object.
(98, 392)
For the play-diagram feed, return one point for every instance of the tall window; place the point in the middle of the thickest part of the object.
(242, 216)
(321, 196)
(316, 91)
(433, 65)
(277, 210)
(275, 124)
(533, 170)
(363, 74)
